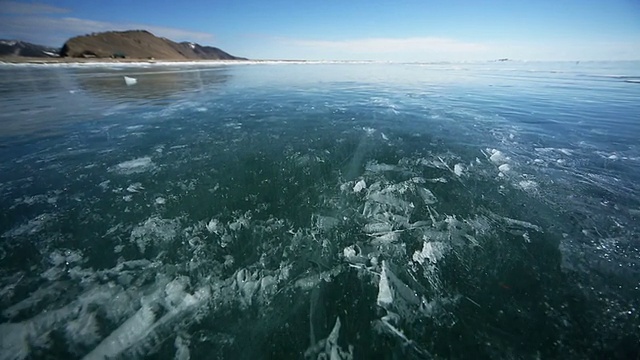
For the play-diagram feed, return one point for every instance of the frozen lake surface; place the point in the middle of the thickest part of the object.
(309, 211)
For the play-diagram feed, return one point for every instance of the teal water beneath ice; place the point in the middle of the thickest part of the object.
(343, 211)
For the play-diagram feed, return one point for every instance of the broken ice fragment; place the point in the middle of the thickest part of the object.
(360, 185)
(130, 81)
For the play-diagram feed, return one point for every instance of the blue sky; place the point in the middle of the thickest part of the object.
(401, 30)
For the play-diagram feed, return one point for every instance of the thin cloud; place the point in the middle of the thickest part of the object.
(87, 26)
(14, 7)
(393, 45)
(386, 49)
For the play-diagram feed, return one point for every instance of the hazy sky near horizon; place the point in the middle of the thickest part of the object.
(401, 30)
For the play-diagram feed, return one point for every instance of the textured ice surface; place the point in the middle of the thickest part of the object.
(333, 211)
(31, 227)
(155, 231)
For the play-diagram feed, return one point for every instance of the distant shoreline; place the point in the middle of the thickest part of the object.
(62, 61)
(22, 60)
(74, 60)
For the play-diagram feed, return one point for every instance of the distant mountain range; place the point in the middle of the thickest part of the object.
(21, 48)
(132, 44)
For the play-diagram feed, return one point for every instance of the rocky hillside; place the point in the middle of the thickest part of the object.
(21, 48)
(139, 44)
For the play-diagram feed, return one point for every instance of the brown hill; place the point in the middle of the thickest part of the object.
(139, 44)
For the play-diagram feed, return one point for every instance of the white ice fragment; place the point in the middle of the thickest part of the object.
(325, 222)
(182, 348)
(375, 167)
(329, 348)
(385, 295)
(427, 196)
(377, 227)
(154, 230)
(394, 294)
(130, 332)
(520, 223)
(384, 137)
(393, 330)
(438, 180)
(497, 157)
(135, 187)
(130, 81)
(134, 166)
(458, 169)
(142, 329)
(528, 185)
(349, 252)
(360, 185)
(160, 200)
(504, 168)
(247, 285)
(175, 292)
(432, 251)
(239, 223)
(214, 226)
(268, 284)
(332, 347)
(387, 238)
(84, 330)
(335, 332)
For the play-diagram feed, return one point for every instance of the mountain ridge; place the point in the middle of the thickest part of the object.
(26, 49)
(129, 44)
(139, 44)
